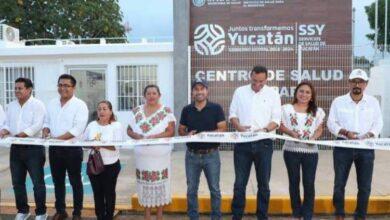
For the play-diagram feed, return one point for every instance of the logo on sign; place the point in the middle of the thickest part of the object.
(209, 39)
(198, 3)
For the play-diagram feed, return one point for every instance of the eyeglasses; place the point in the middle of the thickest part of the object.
(66, 86)
(358, 82)
(19, 88)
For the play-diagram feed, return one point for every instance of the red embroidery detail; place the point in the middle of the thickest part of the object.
(161, 115)
(154, 121)
(309, 121)
(164, 174)
(137, 174)
(138, 117)
(145, 127)
(152, 176)
(167, 110)
(136, 109)
(305, 133)
(293, 120)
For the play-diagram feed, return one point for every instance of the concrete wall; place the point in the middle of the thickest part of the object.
(181, 25)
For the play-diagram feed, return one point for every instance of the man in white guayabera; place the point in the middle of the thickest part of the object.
(24, 118)
(354, 116)
(255, 107)
(67, 117)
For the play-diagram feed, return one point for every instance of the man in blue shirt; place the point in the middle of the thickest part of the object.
(202, 115)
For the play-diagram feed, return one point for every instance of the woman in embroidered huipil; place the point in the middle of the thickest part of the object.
(153, 172)
(302, 120)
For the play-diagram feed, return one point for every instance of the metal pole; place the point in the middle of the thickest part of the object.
(189, 74)
(386, 14)
(353, 31)
(376, 26)
(300, 63)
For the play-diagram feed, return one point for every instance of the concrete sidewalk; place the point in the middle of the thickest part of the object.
(278, 184)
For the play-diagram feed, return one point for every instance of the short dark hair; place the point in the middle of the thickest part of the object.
(27, 82)
(68, 76)
(260, 69)
(152, 86)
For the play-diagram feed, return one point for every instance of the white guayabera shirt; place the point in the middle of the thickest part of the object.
(72, 117)
(362, 117)
(256, 109)
(27, 118)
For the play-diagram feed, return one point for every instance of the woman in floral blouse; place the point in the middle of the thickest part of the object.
(152, 120)
(302, 120)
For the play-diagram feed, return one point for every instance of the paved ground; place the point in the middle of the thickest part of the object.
(180, 217)
(279, 183)
(88, 215)
(251, 217)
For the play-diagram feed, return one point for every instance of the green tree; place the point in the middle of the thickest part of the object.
(362, 63)
(370, 11)
(63, 18)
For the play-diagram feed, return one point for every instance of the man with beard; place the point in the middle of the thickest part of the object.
(202, 115)
(354, 116)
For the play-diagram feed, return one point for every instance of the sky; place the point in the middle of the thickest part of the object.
(148, 18)
(362, 27)
(154, 19)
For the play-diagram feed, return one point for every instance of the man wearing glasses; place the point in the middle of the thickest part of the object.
(354, 116)
(66, 119)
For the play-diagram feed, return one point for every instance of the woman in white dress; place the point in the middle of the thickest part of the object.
(302, 120)
(153, 162)
(105, 128)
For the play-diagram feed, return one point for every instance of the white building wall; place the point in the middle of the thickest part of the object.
(378, 86)
(48, 68)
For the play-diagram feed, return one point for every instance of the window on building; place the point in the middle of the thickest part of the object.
(8, 75)
(90, 87)
(131, 82)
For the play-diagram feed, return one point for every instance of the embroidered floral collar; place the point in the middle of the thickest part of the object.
(147, 123)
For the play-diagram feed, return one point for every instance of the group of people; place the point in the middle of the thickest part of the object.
(255, 107)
